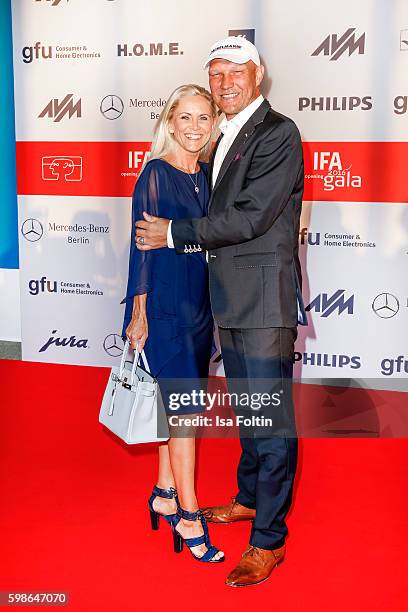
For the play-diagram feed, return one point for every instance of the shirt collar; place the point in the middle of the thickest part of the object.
(241, 118)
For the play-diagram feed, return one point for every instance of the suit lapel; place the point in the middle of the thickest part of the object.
(211, 162)
(245, 132)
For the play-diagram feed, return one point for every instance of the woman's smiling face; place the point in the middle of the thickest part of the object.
(192, 123)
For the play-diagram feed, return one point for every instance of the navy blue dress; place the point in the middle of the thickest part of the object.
(180, 334)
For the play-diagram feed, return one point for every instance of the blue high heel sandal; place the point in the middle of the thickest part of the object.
(178, 539)
(154, 515)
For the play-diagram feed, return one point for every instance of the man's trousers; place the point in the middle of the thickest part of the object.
(261, 361)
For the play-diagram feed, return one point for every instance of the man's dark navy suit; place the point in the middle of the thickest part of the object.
(251, 235)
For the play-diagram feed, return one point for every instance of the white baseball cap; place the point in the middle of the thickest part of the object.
(235, 49)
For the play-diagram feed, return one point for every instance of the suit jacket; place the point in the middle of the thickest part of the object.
(252, 228)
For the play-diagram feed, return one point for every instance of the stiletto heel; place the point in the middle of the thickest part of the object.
(154, 515)
(208, 556)
(154, 519)
(177, 541)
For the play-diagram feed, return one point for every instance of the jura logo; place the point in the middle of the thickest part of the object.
(57, 110)
(71, 342)
(327, 305)
(335, 45)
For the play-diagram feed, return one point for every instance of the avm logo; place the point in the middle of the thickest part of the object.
(335, 45)
(57, 110)
(326, 304)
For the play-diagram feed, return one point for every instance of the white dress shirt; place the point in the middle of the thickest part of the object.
(230, 129)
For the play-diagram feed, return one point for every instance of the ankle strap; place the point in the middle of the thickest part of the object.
(189, 516)
(170, 493)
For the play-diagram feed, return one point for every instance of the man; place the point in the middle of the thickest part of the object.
(251, 235)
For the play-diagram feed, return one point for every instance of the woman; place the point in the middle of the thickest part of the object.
(168, 311)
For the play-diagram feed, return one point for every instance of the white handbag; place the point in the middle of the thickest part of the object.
(131, 406)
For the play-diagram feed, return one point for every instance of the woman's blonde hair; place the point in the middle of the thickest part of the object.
(163, 141)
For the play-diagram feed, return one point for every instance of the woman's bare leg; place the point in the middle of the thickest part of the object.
(165, 480)
(182, 460)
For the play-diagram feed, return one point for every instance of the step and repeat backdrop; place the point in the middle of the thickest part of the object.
(91, 78)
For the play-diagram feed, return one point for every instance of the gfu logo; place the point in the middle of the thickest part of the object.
(113, 345)
(327, 305)
(334, 174)
(335, 45)
(57, 110)
(32, 230)
(306, 237)
(112, 107)
(385, 305)
(52, 2)
(38, 51)
(43, 285)
(70, 342)
(399, 365)
(400, 105)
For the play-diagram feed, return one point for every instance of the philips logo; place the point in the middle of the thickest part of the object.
(329, 361)
(335, 45)
(327, 305)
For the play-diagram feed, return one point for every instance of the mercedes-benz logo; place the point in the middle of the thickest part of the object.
(113, 345)
(32, 230)
(385, 305)
(112, 107)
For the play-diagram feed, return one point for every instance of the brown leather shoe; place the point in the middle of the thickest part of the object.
(230, 513)
(255, 566)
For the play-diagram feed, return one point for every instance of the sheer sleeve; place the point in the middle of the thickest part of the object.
(145, 198)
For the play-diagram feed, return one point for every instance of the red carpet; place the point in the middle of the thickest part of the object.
(74, 517)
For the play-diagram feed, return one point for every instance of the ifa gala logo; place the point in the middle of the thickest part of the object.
(329, 167)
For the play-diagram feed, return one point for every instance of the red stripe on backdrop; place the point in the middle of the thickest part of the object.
(334, 171)
(79, 168)
(356, 171)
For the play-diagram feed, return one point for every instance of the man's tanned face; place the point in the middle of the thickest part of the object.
(234, 86)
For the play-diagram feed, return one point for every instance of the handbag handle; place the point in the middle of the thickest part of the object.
(135, 361)
(123, 359)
